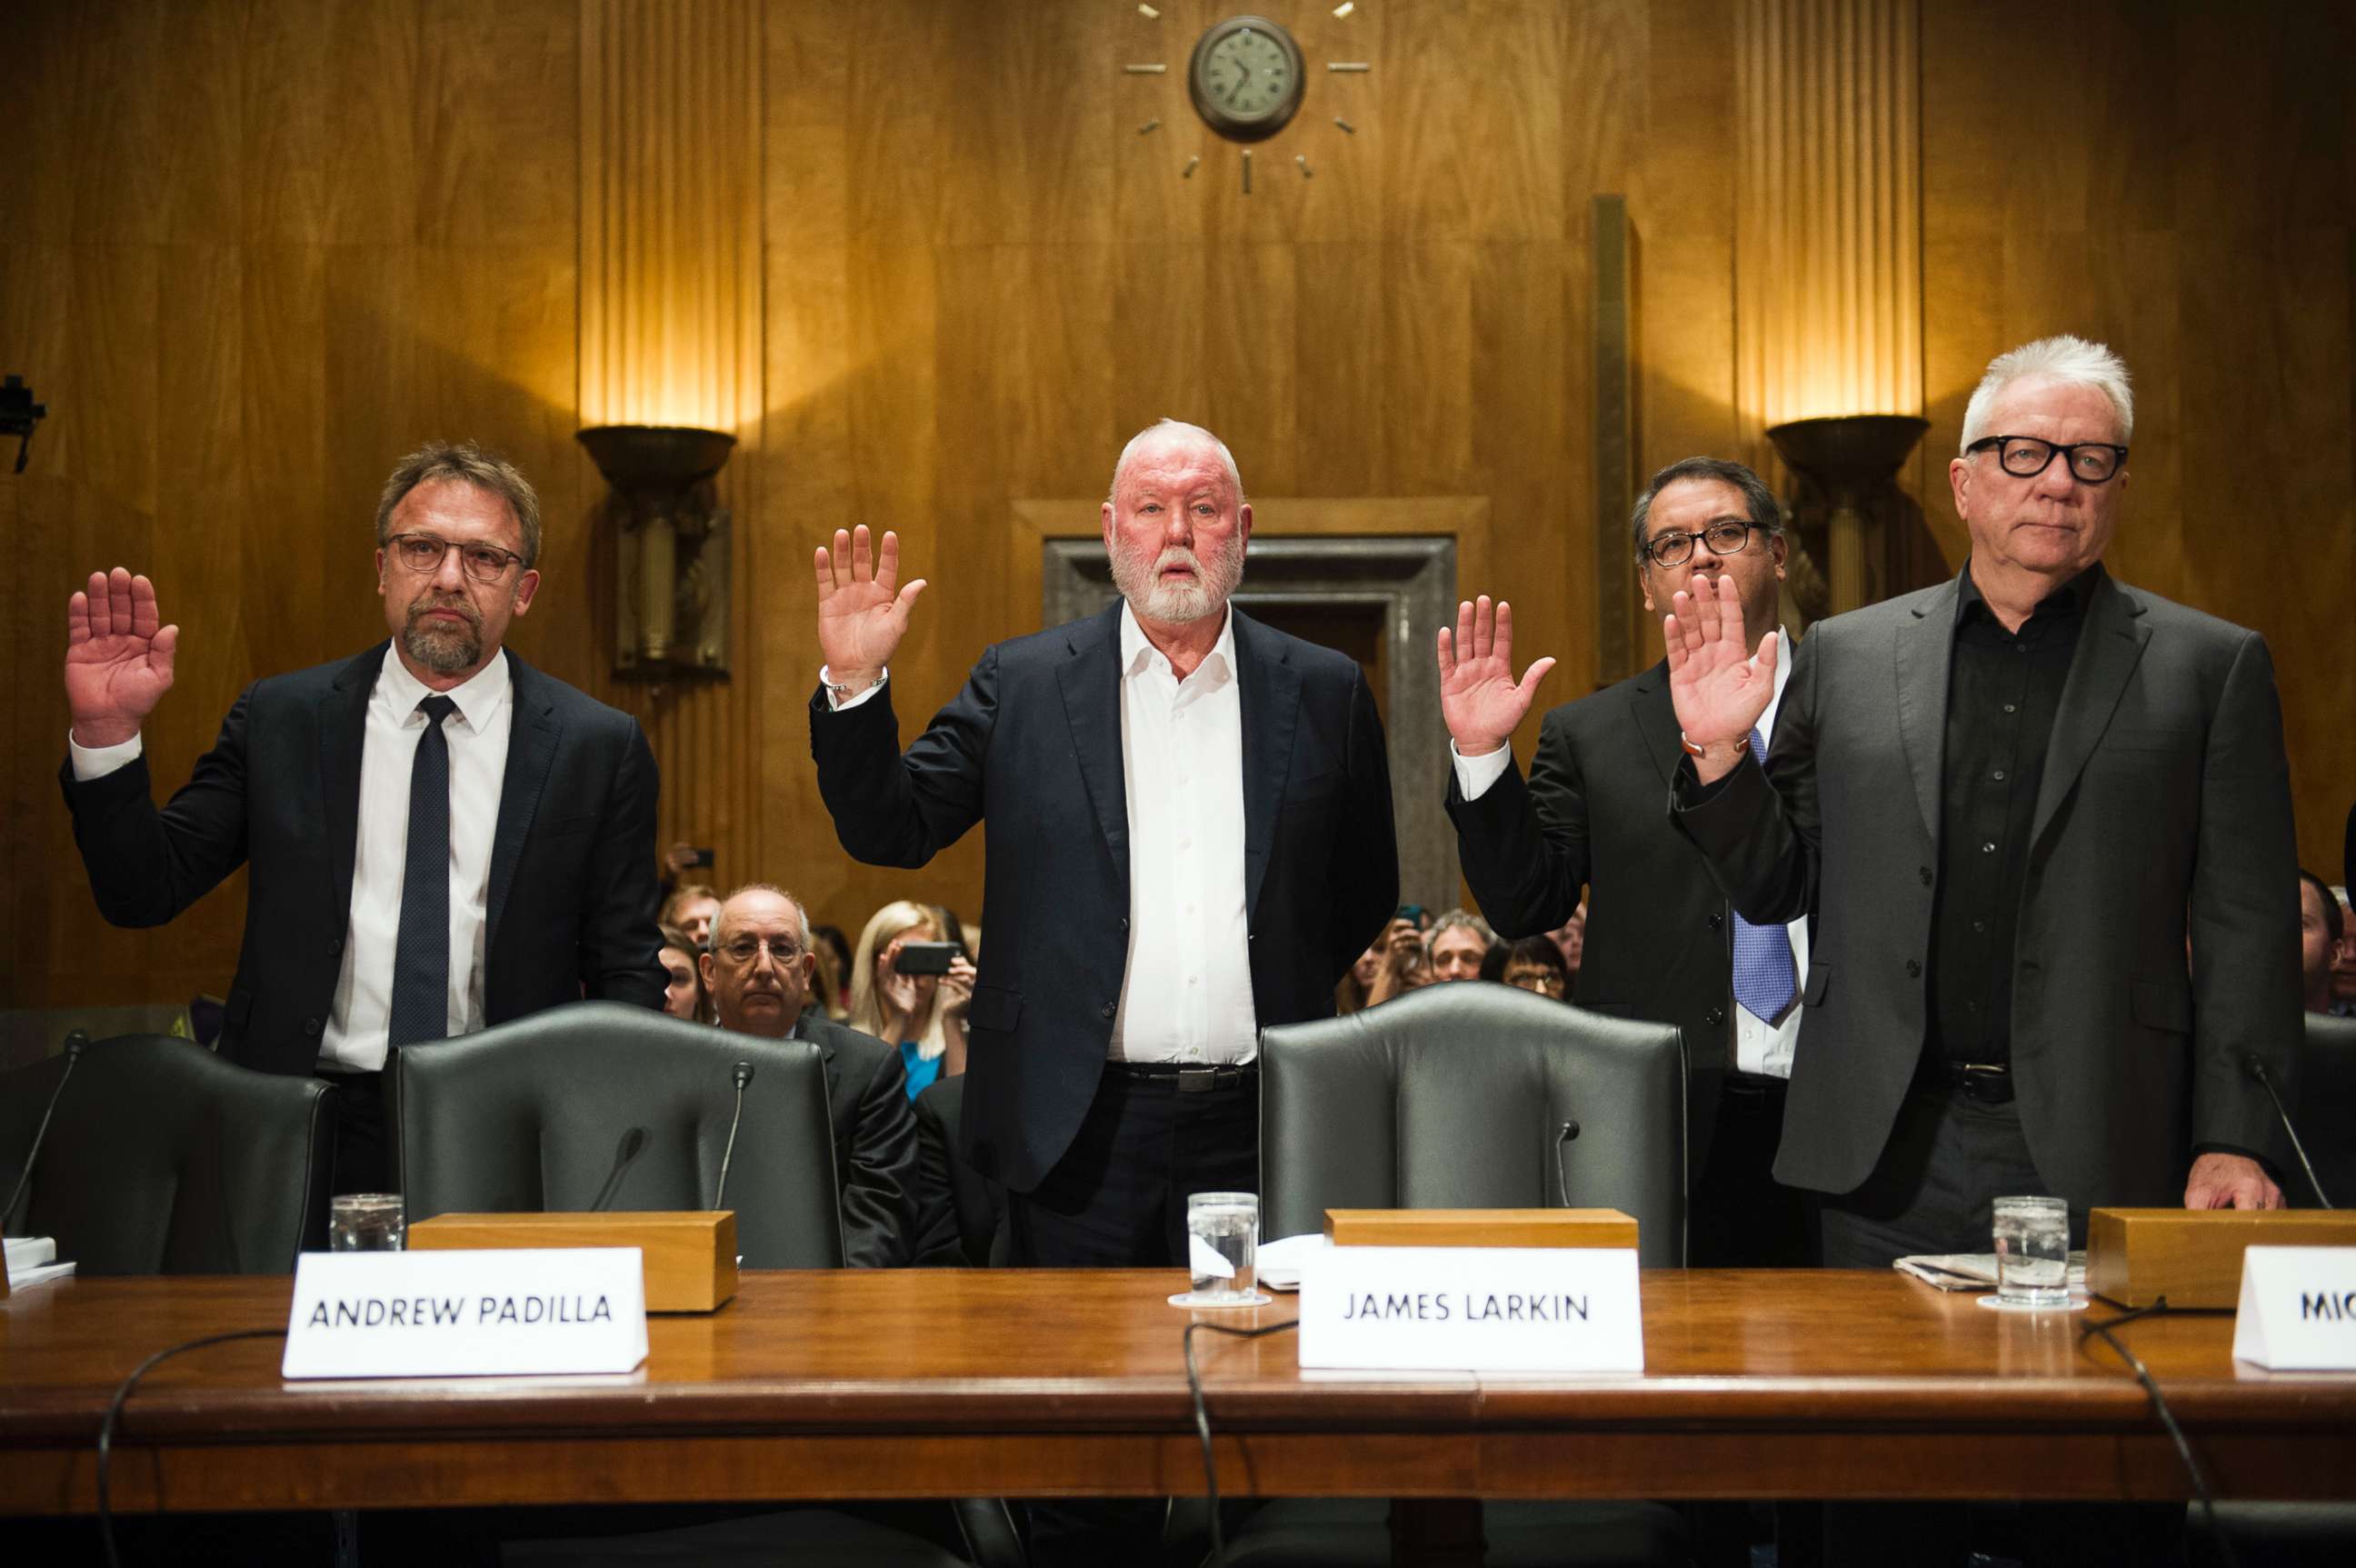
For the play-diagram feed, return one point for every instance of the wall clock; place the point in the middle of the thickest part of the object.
(1248, 83)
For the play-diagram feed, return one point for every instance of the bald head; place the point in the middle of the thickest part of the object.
(1166, 438)
(758, 970)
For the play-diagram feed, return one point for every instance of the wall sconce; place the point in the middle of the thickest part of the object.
(672, 599)
(1849, 512)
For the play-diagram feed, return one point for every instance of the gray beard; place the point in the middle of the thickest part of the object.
(1177, 603)
(445, 652)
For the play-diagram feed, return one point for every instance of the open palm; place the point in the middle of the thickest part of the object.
(1480, 701)
(118, 660)
(1719, 692)
(863, 610)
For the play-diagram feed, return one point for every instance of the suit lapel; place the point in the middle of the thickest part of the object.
(1268, 688)
(1925, 646)
(2108, 651)
(532, 732)
(1090, 678)
(343, 731)
(1655, 713)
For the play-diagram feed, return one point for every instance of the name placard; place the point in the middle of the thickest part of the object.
(2299, 1309)
(1475, 1309)
(425, 1315)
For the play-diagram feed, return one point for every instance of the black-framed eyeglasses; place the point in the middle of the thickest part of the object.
(425, 553)
(1727, 536)
(746, 950)
(2026, 456)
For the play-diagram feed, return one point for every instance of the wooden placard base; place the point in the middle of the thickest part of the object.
(2193, 1256)
(1480, 1227)
(691, 1255)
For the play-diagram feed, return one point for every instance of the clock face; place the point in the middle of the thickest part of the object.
(1246, 77)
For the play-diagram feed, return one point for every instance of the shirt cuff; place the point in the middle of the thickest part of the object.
(97, 761)
(826, 680)
(1475, 774)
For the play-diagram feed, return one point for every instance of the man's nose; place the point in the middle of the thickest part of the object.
(2056, 479)
(451, 574)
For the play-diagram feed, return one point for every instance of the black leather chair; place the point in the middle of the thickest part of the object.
(541, 1114)
(1454, 1097)
(164, 1159)
(2326, 1111)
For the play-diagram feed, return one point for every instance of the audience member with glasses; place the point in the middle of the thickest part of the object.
(759, 970)
(440, 837)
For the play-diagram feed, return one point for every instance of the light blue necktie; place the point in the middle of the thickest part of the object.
(1765, 980)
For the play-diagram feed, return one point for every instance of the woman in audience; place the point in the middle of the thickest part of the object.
(1406, 966)
(691, 910)
(830, 988)
(684, 995)
(1531, 963)
(924, 1015)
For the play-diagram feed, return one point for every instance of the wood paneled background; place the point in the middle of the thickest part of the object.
(252, 251)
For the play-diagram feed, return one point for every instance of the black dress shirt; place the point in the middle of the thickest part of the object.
(2003, 691)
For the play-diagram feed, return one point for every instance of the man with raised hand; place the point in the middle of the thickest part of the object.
(439, 836)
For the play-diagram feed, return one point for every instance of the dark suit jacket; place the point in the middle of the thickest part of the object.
(962, 1212)
(876, 1155)
(571, 900)
(1032, 745)
(2165, 799)
(1659, 946)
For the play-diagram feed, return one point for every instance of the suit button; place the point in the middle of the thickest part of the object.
(1716, 921)
(335, 946)
(1715, 1015)
(1926, 876)
(1124, 923)
(1106, 1010)
(1914, 968)
(311, 1027)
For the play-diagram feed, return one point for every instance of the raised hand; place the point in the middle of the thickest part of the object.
(1479, 698)
(1720, 694)
(863, 612)
(118, 662)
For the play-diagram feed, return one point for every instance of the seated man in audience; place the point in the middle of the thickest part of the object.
(2322, 933)
(760, 972)
(1460, 941)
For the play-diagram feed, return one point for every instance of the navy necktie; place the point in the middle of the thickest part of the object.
(421, 954)
(1766, 978)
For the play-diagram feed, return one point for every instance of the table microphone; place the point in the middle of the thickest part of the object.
(1561, 1171)
(2256, 1066)
(743, 1075)
(634, 1142)
(74, 1044)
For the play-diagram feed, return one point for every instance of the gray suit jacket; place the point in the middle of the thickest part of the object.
(2165, 805)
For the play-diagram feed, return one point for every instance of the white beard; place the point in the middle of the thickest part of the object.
(1177, 603)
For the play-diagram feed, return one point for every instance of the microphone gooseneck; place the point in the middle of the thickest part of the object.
(744, 1076)
(74, 1044)
(634, 1142)
(2255, 1065)
(1561, 1163)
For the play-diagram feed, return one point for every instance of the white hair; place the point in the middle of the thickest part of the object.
(1162, 429)
(2074, 361)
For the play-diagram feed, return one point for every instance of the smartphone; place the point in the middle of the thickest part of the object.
(926, 957)
(700, 857)
(1413, 913)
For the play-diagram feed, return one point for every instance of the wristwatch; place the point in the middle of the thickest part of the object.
(841, 691)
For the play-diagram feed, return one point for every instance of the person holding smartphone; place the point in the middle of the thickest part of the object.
(910, 989)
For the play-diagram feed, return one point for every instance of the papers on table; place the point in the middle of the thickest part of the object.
(1974, 1271)
(32, 1261)
(1280, 1260)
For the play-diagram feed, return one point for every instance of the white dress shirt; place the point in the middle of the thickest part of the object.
(1760, 1046)
(354, 1040)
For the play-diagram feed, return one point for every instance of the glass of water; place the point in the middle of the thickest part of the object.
(366, 1222)
(1222, 1243)
(2032, 1251)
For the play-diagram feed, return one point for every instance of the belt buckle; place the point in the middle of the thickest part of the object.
(1980, 1078)
(1197, 1079)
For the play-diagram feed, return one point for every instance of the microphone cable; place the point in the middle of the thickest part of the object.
(1202, 1417)
(115, 1416)
(2103, 1331)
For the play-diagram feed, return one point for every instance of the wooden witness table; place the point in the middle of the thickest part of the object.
(874, 1384)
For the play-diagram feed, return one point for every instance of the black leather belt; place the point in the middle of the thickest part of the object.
(1990, 1083)
(1191, 1078)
